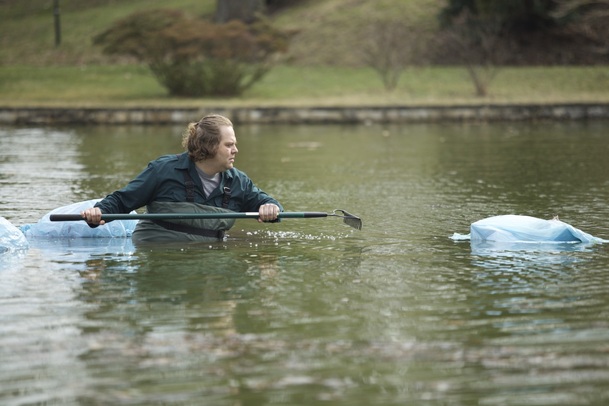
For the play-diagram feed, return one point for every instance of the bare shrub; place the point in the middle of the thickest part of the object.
(475, 42)
(388, 48)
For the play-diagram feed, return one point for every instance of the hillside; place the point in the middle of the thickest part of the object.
(328, 32)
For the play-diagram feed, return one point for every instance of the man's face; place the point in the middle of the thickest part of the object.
(227, 150)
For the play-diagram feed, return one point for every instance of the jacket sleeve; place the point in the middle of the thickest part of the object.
(254, 197)
(134, 195)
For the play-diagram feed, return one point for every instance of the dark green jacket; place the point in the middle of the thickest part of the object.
(163, 181)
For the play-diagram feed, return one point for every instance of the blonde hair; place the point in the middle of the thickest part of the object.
(201, 139)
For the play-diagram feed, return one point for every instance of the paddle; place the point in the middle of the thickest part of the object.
(349, 219)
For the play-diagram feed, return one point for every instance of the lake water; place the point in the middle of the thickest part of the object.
(312, 311)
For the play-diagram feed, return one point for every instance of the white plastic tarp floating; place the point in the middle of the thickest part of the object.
(523, 229)
(11, 238)
(45, 228)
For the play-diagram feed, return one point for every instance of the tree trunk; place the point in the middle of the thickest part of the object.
(244, 10)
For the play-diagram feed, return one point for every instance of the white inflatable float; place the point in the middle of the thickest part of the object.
(11, 238)
(14, 239)
(45, 228)
(525, 229)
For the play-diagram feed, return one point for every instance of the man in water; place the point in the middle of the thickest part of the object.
(202, 179)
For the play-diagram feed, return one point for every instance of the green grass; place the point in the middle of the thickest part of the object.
(27, 34)
(87, 85)
(129, 85)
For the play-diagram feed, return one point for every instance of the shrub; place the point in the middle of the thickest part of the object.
(193, 57)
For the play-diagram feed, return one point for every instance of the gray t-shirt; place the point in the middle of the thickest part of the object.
(209, 182)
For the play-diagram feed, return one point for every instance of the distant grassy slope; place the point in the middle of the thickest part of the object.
(329, 32)
(27, 28)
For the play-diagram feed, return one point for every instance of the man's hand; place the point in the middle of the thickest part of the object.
(93, 216)
(267, 212)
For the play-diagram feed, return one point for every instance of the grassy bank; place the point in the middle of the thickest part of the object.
(128, 85)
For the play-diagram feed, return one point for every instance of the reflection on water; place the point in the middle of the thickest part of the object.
(311, 311)
(36, 158)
